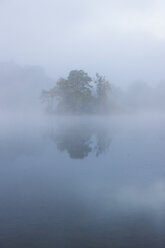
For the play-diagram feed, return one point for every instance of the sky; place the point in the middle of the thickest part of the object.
(124, 40)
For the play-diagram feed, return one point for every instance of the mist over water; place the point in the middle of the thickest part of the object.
(82, 124)
(82, 181)
(21, 88)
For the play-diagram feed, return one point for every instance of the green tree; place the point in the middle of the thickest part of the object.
(102, 92)
(75, 93)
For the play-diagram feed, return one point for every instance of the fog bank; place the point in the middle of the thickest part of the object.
(21, 87)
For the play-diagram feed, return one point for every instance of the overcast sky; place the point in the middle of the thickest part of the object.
(123, 39)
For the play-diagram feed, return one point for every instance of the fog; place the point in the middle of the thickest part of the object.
(68, 181)
(123, 40)
(21, 88)
(42, 41)
(83, 167)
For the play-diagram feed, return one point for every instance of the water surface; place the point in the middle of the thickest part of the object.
(82, 181)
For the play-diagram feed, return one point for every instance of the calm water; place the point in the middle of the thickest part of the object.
(82, 182)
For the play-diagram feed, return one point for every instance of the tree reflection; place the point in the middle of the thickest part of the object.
(81, 139)
(103, 141)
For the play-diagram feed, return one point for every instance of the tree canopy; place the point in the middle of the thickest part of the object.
(78, 93)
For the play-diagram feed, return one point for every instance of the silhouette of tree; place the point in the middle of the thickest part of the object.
(75, 94)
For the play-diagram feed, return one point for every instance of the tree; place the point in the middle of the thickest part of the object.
(102, 90)
(75, 94)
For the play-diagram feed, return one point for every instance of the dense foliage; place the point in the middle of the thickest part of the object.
(78, 94)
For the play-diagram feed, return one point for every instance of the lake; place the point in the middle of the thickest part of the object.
(82, 182)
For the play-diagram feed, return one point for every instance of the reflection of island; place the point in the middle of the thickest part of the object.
(79, 140)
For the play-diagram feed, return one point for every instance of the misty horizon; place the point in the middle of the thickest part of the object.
(122, 40)
(21, 88)
(82, 114)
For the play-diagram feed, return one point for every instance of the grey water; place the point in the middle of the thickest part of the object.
(82, 181)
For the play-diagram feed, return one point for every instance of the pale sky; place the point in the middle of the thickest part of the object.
(123, 39)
